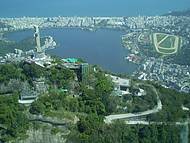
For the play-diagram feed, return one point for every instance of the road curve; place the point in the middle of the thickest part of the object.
(157, 108)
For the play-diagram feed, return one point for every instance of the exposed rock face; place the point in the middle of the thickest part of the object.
(47, 130)
(12, 85)
(43, 136)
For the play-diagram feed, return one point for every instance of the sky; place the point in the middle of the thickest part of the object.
(17, 8)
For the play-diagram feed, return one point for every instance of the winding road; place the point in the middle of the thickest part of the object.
(157, 108)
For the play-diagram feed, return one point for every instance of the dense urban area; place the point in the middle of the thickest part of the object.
(137, 40)
(47, 98)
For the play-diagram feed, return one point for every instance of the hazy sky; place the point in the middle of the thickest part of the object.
(11, 8)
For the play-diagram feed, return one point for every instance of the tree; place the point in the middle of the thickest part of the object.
(37, 108)
(60, 77)
(9, 71)
(104, 86)
(32, 70)
(12, 118)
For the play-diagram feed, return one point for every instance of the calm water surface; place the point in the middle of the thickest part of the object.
(102, 47)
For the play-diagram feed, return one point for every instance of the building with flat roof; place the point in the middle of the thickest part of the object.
(121, 85)
(70, 60)
(27, 95)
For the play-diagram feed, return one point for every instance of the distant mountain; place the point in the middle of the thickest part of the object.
(179, 13)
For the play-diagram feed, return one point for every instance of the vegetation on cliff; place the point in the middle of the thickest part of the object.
(90, 102)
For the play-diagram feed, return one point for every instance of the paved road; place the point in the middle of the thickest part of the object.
(142, 122)
(110, 118)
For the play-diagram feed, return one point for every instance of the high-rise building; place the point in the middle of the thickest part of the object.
(84, 72)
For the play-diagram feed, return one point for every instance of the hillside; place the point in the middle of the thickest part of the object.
(77, 114)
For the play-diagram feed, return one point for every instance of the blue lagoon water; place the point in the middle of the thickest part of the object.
(103, 47)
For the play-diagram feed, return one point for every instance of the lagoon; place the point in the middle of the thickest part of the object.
(102, 47)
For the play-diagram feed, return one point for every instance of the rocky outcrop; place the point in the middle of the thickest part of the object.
(52, 120)
(44, 136)
(48, 130)
(11, 86)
